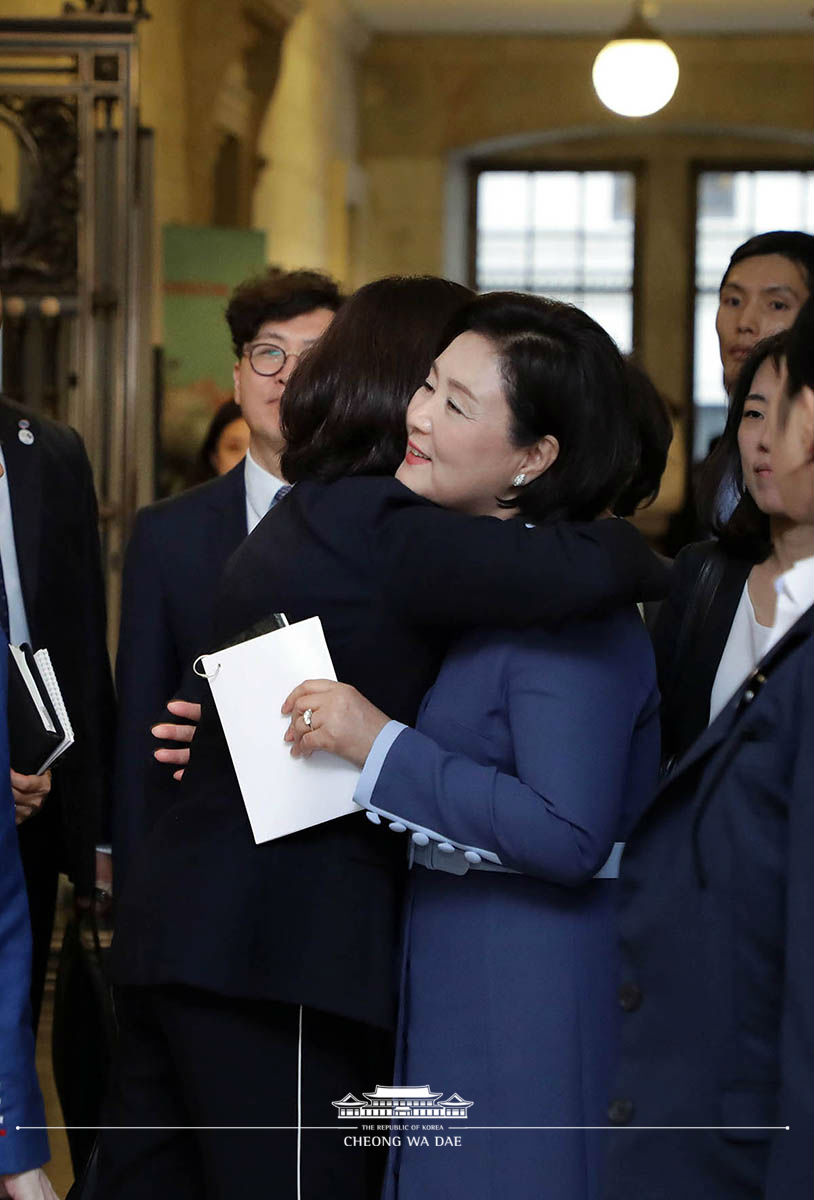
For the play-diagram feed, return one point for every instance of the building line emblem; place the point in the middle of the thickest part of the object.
(402, 1103)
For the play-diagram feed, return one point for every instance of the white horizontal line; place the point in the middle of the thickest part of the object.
(342, 1128)
(187, 1128)
(719, 1128)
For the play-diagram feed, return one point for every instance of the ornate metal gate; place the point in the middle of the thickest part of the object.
(75, 224)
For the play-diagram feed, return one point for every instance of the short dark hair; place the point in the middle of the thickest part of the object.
(565, 377)
(799, 358)
(202, 468)
(343, 410)
(746, 531)
(792, 244)
(277, 295)
(655, 426)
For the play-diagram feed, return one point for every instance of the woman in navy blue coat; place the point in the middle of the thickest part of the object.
(532, 754)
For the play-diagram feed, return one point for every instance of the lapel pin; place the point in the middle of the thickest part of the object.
(23, 423)
(26, 436)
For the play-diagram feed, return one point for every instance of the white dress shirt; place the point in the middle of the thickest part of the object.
(18, 621)
(261, 488)
(795, 593)
(749, 641)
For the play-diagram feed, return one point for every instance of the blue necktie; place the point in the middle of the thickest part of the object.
(280, 494)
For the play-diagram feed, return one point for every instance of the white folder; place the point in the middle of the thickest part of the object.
(249, 683)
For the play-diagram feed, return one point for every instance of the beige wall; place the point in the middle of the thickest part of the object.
(304, 197)
(304, 137)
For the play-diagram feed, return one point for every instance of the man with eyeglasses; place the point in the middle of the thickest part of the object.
(180, 546)
(268, 343)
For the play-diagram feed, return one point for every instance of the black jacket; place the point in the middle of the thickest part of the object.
(689, 638)
(174, 562)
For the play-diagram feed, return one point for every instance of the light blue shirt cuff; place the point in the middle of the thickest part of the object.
(421, 836)
(375, 761)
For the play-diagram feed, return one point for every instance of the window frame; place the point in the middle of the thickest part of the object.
(636, 167)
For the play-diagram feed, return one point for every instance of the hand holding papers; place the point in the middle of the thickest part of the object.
(326, 715)
(249, 683)
(38, 724)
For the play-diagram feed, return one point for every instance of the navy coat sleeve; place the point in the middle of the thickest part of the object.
(20, 1099)
(572, 708)
(791, 1161)
(443, 568)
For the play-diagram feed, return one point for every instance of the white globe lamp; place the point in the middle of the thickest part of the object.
(636, 73)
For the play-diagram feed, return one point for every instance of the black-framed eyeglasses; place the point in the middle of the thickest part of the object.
(267, 359)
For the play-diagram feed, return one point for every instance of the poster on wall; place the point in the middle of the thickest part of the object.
(201, 268)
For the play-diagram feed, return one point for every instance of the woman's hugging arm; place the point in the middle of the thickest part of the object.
(440, 567)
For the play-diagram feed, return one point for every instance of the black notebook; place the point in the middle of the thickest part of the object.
(39, 730)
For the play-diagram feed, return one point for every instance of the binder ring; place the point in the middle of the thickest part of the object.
(204, 674)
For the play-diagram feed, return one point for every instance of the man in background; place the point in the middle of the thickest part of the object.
(180, 546)
(768, 280)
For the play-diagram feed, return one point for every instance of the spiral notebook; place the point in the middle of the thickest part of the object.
(249, 683)
(39, 728)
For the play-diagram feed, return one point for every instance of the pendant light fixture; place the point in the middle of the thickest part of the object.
(636, 73)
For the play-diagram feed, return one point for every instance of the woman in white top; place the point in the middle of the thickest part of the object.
(733, 597)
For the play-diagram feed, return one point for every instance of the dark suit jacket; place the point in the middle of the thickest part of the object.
(312, 918)
(54, 513)
(174, 561)
(717, 933)
(20, 1099)
(688, 654)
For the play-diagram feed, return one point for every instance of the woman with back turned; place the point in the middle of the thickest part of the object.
(259, 982)
(532, 753)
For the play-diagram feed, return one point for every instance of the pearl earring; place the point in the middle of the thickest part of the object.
(519, 480)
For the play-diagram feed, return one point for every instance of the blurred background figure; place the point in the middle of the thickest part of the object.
(763, 289)
(225, 444)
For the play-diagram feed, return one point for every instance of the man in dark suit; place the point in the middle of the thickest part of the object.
(180, 546)
(54, 597)
(717, 918)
